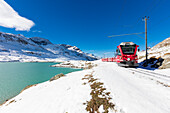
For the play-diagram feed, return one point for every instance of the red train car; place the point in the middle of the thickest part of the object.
(105, 59)
(113, 59)
(126, 54)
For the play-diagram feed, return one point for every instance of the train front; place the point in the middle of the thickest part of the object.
(127, 54)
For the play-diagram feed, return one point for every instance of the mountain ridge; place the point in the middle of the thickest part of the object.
(20, 48)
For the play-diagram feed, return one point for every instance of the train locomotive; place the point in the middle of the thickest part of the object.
(126, 54)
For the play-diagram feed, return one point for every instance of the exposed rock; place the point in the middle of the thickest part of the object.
(40, 41)
(57, 77)
(28, 87)
(166, 64)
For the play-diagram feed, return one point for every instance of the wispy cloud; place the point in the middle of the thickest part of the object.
(89, 51)
(11, 19)
(37, 31)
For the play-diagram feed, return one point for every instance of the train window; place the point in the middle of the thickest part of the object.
(128, 49)
(118, 52)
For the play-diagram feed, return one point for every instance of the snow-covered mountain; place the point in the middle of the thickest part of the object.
(20, 48)
(161, 50)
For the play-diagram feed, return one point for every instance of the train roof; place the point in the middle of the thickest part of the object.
(127, 43)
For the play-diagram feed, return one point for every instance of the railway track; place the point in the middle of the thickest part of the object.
(156, 76)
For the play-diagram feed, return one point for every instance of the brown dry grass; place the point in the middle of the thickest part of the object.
(140, 57)
(166, 54)
(163, 84)
(99, 96)
(57, 77)
(28, 87)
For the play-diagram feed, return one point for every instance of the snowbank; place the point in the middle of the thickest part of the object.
(76, 64)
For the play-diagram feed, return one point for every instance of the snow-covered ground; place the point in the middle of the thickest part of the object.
(132, 92)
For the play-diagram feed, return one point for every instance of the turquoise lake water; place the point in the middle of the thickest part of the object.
(14, 76)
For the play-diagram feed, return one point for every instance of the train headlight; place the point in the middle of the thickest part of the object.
(128, 59)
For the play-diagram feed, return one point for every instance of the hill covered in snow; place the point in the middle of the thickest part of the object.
(159, 51)
(20, 48)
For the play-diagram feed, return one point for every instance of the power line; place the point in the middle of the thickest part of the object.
(126, 34)
(153, 6)
(121, 12)
(139, 19)
(145, 19)
(147, 10)
(162, 20)
(123, 7)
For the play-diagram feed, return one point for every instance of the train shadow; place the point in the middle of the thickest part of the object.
(146, 68)
(141, 67)
(151, 64)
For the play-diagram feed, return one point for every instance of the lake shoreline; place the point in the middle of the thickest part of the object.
(36, 80)
(33, 61)
(65, 64)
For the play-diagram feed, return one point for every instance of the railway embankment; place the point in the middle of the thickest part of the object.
(160, 53)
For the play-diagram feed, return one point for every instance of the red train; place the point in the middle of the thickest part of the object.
(126, 55)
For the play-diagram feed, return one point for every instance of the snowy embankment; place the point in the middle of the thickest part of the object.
(76, 64)
(160, 52)
(131, 92)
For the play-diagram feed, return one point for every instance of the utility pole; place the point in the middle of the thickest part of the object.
(145, 19)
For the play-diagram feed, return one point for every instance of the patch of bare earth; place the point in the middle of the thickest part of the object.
(100, 98)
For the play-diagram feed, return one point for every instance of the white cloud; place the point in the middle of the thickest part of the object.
(11, 19)
(37, 31)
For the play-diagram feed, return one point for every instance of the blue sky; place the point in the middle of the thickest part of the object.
(87, 23)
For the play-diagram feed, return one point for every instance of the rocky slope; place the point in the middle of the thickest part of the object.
(159, 51)
(20, 48)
